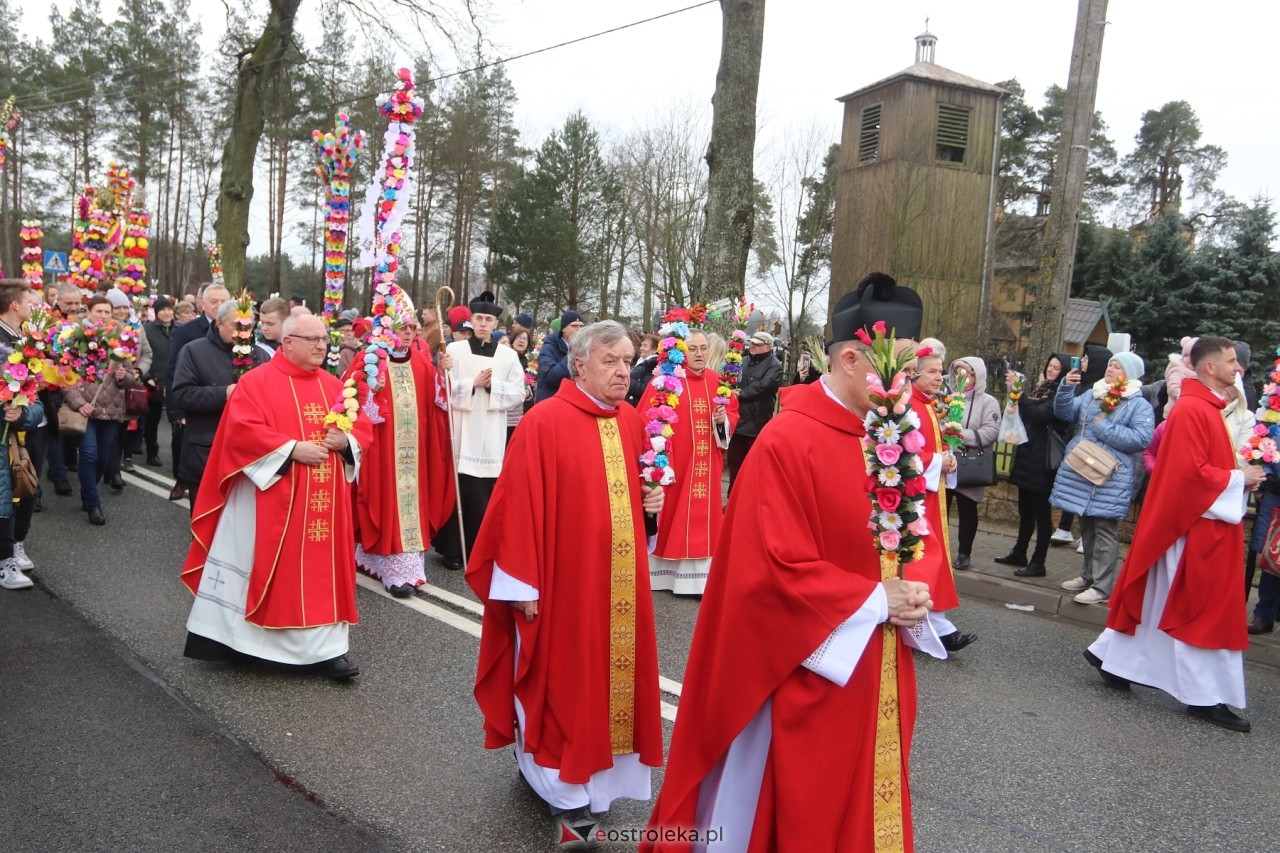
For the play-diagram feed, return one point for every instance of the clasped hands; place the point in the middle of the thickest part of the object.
(317, 452)
(909, 601)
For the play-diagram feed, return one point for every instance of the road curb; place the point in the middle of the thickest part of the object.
(1263, 650)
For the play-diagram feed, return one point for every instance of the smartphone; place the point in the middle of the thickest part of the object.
(804, 361)
(1075, 362)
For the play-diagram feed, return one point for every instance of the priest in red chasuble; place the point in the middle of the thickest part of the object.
(405, 491)
(795, 722)
(1175, 618)
(568, 658)
(273, 565)
(690, 523)
(934, 568)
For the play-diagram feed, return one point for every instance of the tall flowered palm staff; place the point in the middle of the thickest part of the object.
(731, 375)
(32, 254)
(242, 338)
(10, 116)
(131, 273)
(952, 412)
(385, 206)
(214, 253)
(660, 416)
(338, 150)
(895, 476)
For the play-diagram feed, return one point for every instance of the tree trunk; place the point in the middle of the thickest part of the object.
(254, 77)
(1053, 288)
(729, 218)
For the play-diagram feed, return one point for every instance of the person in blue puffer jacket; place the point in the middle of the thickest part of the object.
(1124, 432)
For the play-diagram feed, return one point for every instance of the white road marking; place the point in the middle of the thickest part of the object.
(148, 486)
(426, 608)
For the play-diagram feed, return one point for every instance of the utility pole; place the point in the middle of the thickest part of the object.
(1057, 258)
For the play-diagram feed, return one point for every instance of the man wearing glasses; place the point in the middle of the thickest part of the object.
(272, 563)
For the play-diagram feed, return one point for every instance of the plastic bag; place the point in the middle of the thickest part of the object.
(1012, 430)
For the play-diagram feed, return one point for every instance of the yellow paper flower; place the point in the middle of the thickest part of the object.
(15, 358)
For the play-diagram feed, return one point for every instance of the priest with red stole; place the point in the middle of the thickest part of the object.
(690, 523)
(1175, 615)
(795, 722)
(272, 565)
(934, 568)
(405, 493)
(568, 656)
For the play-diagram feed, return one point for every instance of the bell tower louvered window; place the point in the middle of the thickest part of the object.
(953, 133)
(869, 135)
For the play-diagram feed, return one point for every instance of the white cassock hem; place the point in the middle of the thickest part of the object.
(683, 577)
(218, 611)
(730, 793)
(626, 778)
(1190, 674)
(942, 626)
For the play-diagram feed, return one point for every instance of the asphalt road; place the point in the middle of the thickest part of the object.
(112, 740)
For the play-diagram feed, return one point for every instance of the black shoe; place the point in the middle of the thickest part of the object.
(154, 462)
(961, 562)
(453, 563)
(62, 487)
(1013, 558)
(126, 464)
(1111, 679)
(1258, 625)
(37, 505)
(401, 590)
(1030, 570)
(956, 641)
(340, 669)
(116, 482)
(96, 516)
(178, 492)
(1220, 715)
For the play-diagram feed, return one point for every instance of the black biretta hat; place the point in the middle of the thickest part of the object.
(877, 297)
(486, 303)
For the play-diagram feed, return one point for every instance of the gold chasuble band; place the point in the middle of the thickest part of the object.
(887, 796)
(404, 403)
(942, 491)
(622, 588)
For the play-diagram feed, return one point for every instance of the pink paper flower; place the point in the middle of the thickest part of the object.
(913, 442)
(888, 454)
(890, 539)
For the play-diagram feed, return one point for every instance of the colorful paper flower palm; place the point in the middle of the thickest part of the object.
(663, 401)
(30, 235)
(338, 150)
(895, 476)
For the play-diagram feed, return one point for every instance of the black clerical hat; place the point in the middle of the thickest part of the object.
(486, 303)
(877, 297)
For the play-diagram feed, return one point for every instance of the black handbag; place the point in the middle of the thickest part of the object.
(1055, 449)
(975, 466)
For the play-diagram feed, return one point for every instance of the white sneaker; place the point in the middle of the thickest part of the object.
(1075, 585)
(11, 577)
(1061, 537)
(1080, 547)
(21, 558)
(1090, 596)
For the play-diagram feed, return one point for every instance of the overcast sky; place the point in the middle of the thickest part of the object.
(818, 50)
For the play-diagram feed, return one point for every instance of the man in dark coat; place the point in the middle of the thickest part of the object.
(202, 384)
(757, 397)
(212, 295)
(159, 334)
(553, 357)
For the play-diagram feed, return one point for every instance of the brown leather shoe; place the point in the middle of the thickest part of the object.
(1258, 625)
(178, 492)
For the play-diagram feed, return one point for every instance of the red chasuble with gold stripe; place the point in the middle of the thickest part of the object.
(693, 508)
(405, 493)
(303, 572)
(566, 518)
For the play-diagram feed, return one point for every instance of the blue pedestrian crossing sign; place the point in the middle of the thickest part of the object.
(55, 262)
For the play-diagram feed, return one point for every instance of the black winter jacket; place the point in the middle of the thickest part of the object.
(757, 392)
